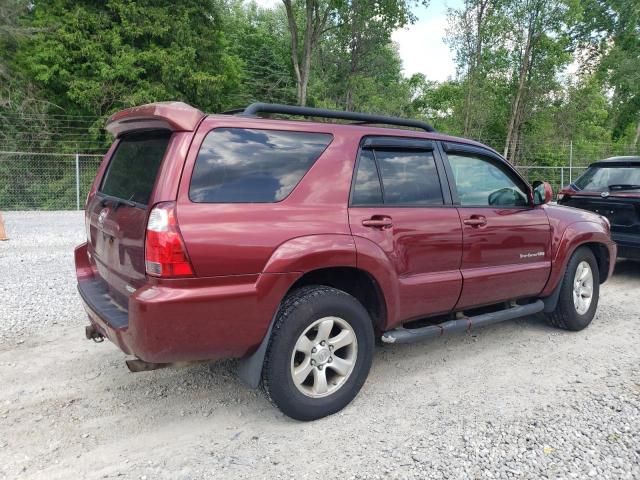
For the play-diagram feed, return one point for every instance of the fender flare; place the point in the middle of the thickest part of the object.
(299, 255)
(574, 236)
(373, 260)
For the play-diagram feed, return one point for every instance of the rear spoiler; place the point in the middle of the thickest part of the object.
(175, 116)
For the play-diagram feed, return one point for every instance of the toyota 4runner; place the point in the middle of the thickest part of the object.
(293, 245)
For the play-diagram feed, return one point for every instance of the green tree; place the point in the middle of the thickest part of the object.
(355, 29)
(362, 39)
(541, 39)
(610, 33)
(475, 32)
(19, 99)
(258, 37)
(510, 54)
(307, 20)
(97, 57)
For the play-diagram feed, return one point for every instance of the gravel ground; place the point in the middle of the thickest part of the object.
(514, 400)
(36, 265)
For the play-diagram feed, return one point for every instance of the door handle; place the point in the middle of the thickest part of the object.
(378, 222)
(475, 221)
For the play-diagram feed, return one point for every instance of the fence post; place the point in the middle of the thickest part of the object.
(77, 181)
(571, 162)
(561, 177)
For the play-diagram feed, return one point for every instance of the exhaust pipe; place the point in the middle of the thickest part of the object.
(92, 333)
(137, 365)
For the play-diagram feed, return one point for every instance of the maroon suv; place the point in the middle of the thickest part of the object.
(292, 245)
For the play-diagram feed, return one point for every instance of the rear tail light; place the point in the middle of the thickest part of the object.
(164, 252)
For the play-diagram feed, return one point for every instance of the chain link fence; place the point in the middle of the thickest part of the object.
(61, 181)
(558, 177)
(45, 181)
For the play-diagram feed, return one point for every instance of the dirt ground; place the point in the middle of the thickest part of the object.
(514, 400)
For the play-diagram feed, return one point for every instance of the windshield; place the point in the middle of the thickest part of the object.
(133, 168)
(603, 178)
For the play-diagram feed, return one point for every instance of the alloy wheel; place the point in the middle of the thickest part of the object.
(324, 356)
(583, 288)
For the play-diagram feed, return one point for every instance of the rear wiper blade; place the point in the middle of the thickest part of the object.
(116, 202)
(623, 186)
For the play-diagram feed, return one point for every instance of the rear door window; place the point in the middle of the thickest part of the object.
(133, 168)
(409, 178)
(367, 189)
(238, 165)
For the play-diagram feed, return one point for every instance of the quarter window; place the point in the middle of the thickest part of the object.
(482, 183)
(237, 165)
(408, 178)
(367, 190)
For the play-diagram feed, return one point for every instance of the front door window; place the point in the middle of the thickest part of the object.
(483, 183)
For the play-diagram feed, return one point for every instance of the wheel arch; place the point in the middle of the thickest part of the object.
(357, 282)
(354, 281)
(577, 235)
(601, 252)
(602, 256)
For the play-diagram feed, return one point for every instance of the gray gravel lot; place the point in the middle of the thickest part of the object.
(515, 400)
(36, 284)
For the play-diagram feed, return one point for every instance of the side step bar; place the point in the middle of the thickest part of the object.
(406, 335)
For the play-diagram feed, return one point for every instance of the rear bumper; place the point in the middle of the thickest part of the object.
(186, 320)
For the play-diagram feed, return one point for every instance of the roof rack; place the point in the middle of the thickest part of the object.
(255, 108)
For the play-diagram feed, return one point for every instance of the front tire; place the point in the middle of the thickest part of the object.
(319, 354)
(579, 293)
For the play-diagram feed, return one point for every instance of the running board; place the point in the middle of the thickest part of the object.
(409, 335)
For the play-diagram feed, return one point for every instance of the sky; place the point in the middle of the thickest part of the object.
(421, 45)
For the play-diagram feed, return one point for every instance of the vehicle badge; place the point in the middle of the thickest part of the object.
(102, 216)
(604, 194)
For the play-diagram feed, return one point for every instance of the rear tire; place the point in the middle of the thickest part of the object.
(319, 354)
(579, 292)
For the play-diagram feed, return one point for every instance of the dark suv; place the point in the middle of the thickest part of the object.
(611, 188)
(292, 245)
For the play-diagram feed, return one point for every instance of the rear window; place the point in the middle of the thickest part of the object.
(132, 170)
(602, 179)
(237, 165)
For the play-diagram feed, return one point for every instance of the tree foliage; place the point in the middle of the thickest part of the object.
(528, 71)
(93, 57)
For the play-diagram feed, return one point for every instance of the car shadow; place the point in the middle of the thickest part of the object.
(627, 269)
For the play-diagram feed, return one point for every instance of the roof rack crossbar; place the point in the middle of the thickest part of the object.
(255, 108)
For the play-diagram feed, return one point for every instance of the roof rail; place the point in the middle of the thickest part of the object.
(255, 108)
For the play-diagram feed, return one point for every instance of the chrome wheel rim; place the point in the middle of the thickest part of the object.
(583, 288)
(324, 357)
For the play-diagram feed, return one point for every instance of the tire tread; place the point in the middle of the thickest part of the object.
(290, 303)
(565, 317)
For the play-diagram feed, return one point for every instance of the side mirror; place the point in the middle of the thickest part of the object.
(542, 193)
